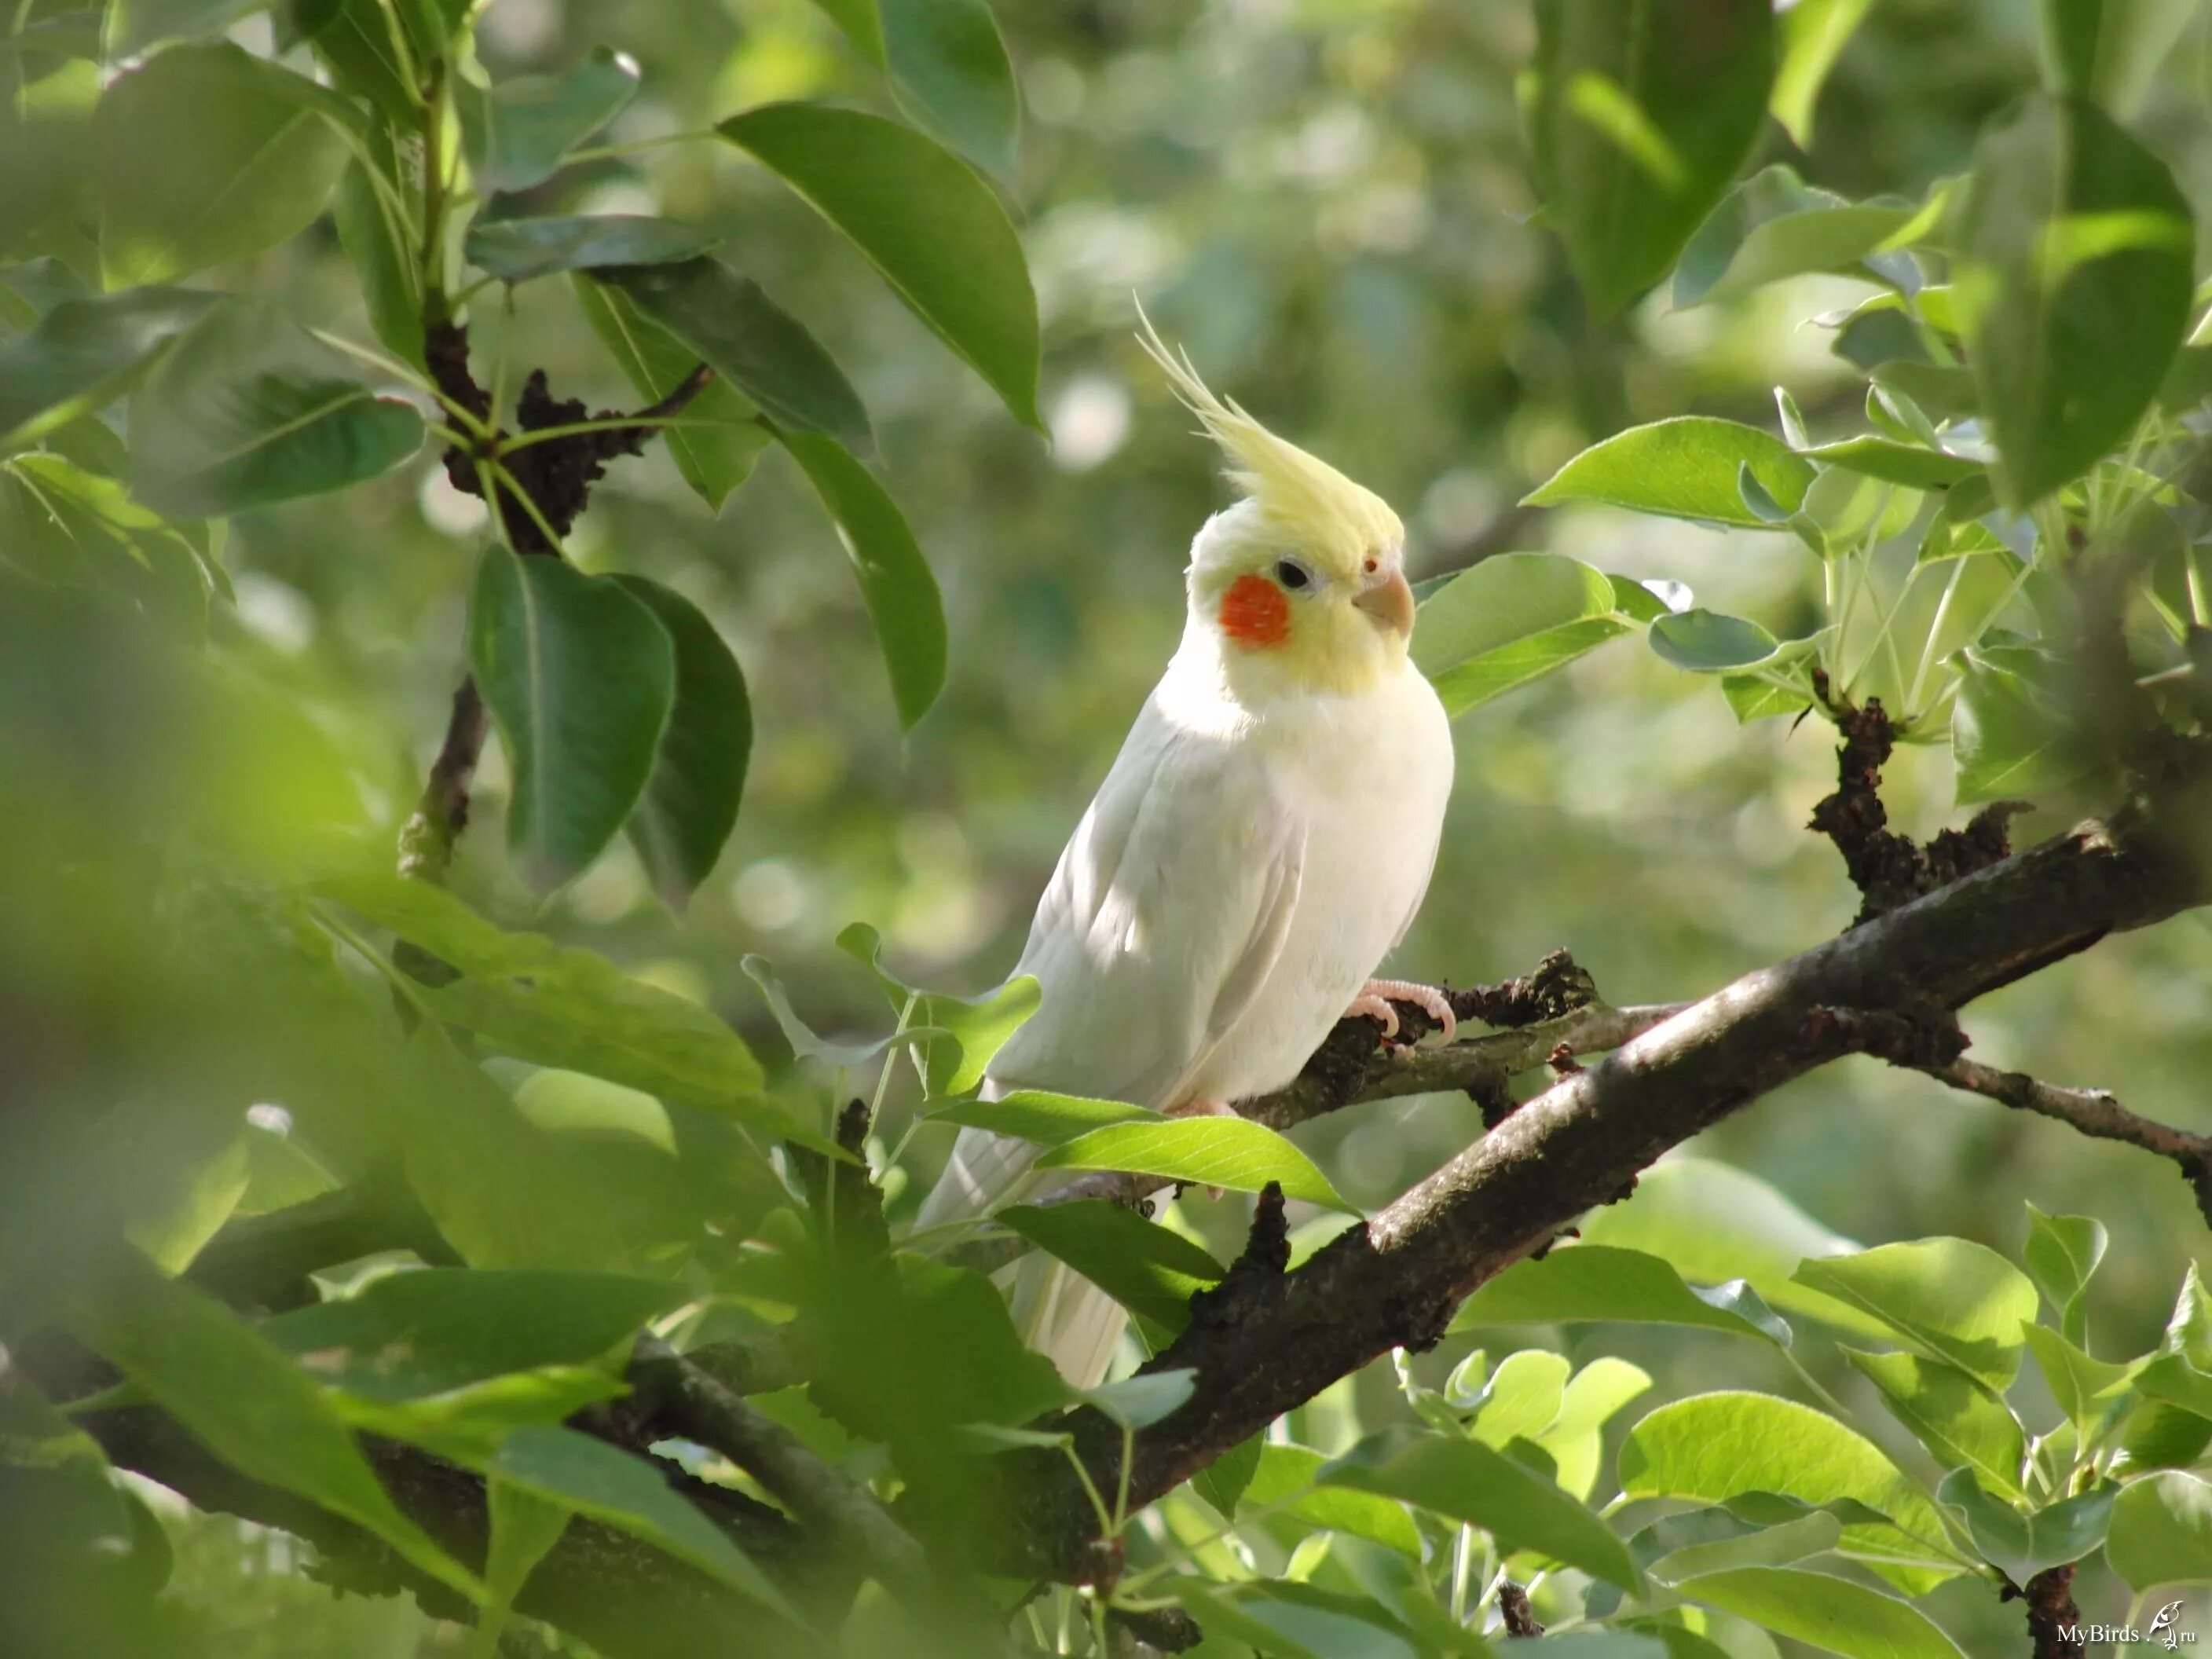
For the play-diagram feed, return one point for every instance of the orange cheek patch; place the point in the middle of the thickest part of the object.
(1254, 613)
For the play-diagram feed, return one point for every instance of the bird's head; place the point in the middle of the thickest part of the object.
(1301, 583)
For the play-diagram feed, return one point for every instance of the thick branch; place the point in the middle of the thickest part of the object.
(2093, 1112)
(1397, 1281)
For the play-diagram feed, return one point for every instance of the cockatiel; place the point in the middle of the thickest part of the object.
(1263, 840)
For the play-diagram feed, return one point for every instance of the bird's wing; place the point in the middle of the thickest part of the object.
(1169, 908)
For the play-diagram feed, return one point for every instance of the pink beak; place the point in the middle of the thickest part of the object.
(1389, 600)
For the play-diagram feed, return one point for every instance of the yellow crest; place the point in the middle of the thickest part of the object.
(1300, 497)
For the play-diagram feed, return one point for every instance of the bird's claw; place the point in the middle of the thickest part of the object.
(1375, 997)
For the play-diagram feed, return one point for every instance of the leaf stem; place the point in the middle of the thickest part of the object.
(637, 146)
(1934, 632)
(622, 423)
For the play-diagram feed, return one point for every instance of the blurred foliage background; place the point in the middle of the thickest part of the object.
(1327, 201)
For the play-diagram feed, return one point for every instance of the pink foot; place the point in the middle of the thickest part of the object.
(1375, 997)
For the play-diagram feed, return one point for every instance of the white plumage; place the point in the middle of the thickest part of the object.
(1263, 839)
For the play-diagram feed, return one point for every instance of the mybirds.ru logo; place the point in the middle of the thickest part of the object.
(2164, 1630)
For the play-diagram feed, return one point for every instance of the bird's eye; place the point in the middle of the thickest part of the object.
(1292, 574)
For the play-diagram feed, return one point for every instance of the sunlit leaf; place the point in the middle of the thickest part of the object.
(1469, 1481)
(83, 353)
(1814, 36)
(1832, 1613)
(1953, 1299)
(1643, 115)
(1955, 1416)
(1233, 1152)
(1513, 618)
(2075, 252)
(2161, 1531)
(1600, 1282)
(1682, 468)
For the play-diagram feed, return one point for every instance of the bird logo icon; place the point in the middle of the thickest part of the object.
(2164, 1626)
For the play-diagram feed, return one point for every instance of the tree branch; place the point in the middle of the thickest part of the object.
(2093, 1112)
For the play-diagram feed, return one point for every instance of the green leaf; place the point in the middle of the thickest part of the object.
(556, 1004)
(1642, 117)
(1288, 1475)
(1681, 468)
(1575, 1438)
(2072, 282)
(1600, 1282)
(135, 25)
(2110, 50)
(1952, 1298)
(732, 326)
(690, 802)
(2161, 1531)
(948, 70)
(2021, 1545)
(84, 353)
(246, 411)
(379, 240)
(1716, 1447)
(1226, 1620)
(2011, 735)
(516, 249)
(412, 1334)
(2061, 1254)
(2169, 1377)
(353, 40)
(1831, 1614)
(1751, 698)
(1233, 1152)
(719, 439)
(1774, 225)
(1715, 1223)
(209, 155)
(1148, 1269)
(1222, 1482)
(1708, 642)
(1047, 1119)
(1522, 1398)
(581, 677)
(1471, 1482)
(962, 1033)
(246, 1402)
(1139, 1401)
(2078, 1382)
(805, 1040)
(574, 1472)
(524, 1526)
(928, 224)
(518, 133)
(1896, 463)
(67, 527)
(1812, 1533)
(1510, 619)
(1958, 1419)
(502, 1192)
(1814, 36)
(895, 578)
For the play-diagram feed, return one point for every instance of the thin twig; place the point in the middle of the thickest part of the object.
(2092, 1111)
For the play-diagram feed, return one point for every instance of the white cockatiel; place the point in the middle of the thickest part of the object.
(1263, 840)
